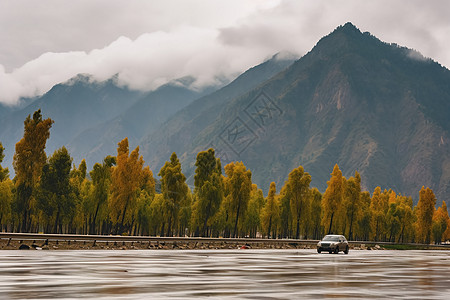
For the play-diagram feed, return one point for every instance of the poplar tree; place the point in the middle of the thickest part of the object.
(238, 185)
(332, 199)
(352, 203)
(379, 206)
(4, 172)
(174, 190)
(315, 213)
(55, 199)
(363, 230)
(440, 221)
(425, 211)
(6, 192)
(101, 183)
(297, 191)
(270, 214)
(252, 216)
(126, 178)
(209, 190)
(28, 162)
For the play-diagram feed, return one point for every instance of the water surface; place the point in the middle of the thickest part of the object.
(222, 274)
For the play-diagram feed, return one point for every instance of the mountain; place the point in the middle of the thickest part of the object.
(91, 117)
(179, 131)
(74, 105)
(369, 106)
(141, 118)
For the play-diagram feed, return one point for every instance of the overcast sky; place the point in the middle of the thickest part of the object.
(148, 43)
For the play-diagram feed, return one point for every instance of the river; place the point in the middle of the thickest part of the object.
(224, 274)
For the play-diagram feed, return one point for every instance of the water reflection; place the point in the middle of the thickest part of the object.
(239, 274)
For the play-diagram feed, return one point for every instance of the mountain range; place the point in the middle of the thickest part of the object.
(367, 105)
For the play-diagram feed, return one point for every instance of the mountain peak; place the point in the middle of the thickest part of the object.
(348, 27)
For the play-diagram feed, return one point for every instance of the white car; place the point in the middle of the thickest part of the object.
(333, 244)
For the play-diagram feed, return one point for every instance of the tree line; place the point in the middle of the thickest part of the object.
(119, 196)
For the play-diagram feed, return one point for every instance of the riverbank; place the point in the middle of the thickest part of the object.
(7, 244)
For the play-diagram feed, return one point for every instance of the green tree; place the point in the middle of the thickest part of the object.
(55, 199)
(6, 192)
(4, 172)
(28, 162)
(6, 198)
(297, 190)
(101, 184)
(238, 187)
(174, 190)
(209, 190)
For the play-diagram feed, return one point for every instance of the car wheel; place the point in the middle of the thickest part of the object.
(336, 251)
(319, 250)
(346, 250)
(331, 251)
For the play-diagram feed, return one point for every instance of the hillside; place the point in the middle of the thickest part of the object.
(354, 100)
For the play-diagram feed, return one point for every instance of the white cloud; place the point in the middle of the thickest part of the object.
(154, 42)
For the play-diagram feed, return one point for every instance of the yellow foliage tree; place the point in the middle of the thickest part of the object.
(238, 186)
(424, 213)
(28, 161)
(440, 223)
(332, 199)
(297, 191)
(270, 214)
(126, 182)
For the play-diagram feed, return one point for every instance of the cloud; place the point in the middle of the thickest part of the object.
(145, 63)
(155, 43)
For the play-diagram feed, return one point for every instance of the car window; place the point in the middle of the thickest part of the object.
(330, 238)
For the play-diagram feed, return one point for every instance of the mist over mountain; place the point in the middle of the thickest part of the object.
(354, 100)
(91, 117)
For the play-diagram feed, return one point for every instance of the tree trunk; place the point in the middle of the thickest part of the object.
(237, 218)
(123, 218)
(331, 223)
(55, 227)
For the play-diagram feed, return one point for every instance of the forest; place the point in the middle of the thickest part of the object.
(121, 196)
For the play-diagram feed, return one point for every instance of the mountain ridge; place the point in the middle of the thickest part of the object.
(353, 100)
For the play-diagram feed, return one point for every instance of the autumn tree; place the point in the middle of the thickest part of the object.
(439, 223)
(28, 162)
(424, 213)
(352, 203)
(363, 229)
(379, 206)
(270, 214)
(126, 179)
(238, 187)
(174, 190)
(209, 190)
(315, 214)
(332, 199)
(252, 221)
(285, 213)
(297, 191)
